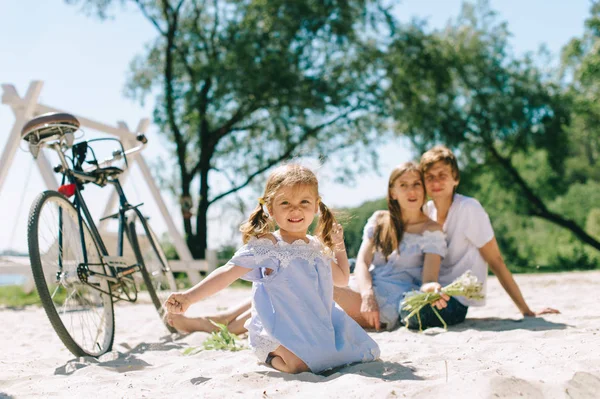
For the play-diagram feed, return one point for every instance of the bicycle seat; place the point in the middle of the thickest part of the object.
(53, 125)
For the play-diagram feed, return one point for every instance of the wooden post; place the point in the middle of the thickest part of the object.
(27, 107)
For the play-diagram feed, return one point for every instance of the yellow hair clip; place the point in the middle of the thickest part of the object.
(261, 200)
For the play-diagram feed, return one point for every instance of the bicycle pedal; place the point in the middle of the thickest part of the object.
(120, 262)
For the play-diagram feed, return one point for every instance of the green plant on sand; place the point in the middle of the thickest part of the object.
(218, 340)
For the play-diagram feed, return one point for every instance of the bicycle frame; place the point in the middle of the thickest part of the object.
(77, 179)
(78, 280)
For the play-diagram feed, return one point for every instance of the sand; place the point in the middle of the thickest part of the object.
(495, 353)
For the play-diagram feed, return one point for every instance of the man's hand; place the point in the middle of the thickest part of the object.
(530, 313)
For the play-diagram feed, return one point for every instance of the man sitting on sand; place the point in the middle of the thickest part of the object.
(470, 236)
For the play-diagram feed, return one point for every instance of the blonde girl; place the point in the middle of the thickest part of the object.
(294, 324)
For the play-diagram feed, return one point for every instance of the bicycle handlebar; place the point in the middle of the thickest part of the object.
(117, 155)
(87, 175)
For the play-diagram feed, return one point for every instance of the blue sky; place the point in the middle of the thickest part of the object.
(83, 63)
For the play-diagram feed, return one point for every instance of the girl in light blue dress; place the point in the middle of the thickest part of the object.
(402, 271)
(401, 251)
(295, 325)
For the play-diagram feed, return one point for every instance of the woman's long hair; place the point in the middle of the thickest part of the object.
(389, 227)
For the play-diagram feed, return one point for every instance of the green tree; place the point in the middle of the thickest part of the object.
(354, 220)
(244, 85)
(581, 73)
(462, 87)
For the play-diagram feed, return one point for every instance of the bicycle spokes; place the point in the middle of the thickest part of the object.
(65, 261)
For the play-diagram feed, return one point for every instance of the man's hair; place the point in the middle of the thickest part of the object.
(437, 154)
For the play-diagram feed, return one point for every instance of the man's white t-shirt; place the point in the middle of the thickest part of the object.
(467, 229)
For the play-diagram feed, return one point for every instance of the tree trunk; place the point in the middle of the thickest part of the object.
(539, 209)
(206, 152)
(200, 242)
(186, 214)
(186, 178)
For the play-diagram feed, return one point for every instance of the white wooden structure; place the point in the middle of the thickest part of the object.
(27, 107)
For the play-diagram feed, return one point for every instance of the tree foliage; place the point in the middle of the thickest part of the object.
(244, 85)
(581, 74)
(463, 87)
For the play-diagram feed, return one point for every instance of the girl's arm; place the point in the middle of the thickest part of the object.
(361, 269)
(431, 268)
(179, 302)
(431, 271)
(369, 307)
(430, 275)
(341, 270)
(491, 254)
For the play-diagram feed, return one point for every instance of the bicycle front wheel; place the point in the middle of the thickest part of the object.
(154, 266)
(64, 259)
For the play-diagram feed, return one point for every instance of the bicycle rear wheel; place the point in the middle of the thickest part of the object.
(154, 266)
(80, 313)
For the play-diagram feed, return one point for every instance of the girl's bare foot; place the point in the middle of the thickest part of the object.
(193, 324)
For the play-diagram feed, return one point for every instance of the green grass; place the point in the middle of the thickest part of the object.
(220, 340)
(14, 296)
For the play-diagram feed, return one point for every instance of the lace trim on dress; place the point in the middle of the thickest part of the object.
(373, 354)
(264, 248)
(262, 345)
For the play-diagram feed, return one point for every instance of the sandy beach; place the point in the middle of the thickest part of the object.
(495, 353)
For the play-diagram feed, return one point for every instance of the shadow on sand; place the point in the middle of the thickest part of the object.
(118, 361)
(499, 324)
(385, 371)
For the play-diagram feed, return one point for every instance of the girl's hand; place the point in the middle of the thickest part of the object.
(177, 303)
(436, 287)
(370, 309)
(337, 236)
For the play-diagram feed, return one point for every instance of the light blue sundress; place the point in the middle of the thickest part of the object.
(401, 272)
(293, 306)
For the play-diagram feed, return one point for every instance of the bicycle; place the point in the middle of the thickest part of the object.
(77, 280)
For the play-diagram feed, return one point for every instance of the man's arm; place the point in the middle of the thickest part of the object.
(491, 254)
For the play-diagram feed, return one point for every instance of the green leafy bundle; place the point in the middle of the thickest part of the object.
(466, 285)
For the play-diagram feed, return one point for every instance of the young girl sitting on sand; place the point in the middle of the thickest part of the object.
(295, 325)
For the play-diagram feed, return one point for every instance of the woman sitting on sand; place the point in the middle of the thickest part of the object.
(401, 251)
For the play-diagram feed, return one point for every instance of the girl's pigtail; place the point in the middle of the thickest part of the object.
(325, 226)
(257, 224)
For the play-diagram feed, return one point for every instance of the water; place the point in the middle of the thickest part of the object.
(12, 279)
